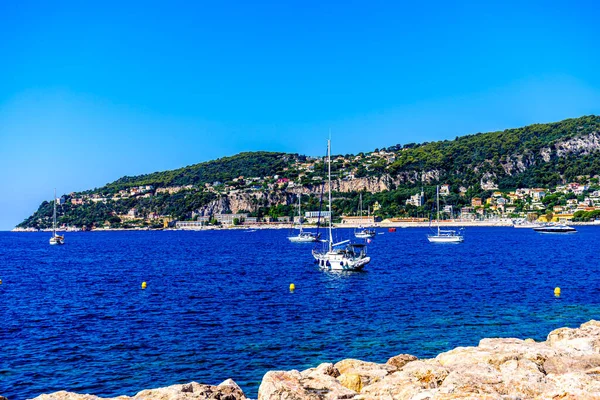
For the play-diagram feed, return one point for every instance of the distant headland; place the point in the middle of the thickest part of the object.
(545, 172)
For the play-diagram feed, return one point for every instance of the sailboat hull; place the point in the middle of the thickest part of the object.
(444, 235)
(57, 240)
(302, 239)
(445, 239)
(337, 261)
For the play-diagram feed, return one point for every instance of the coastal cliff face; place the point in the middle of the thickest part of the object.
(580, 145)
(250, 201)
(565, 366)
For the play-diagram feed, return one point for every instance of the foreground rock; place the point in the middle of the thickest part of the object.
(227, 390)
(565, 366)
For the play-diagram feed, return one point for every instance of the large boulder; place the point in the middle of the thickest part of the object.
(584, 339)
(400, 360)
(227, 390)
(369, 372)
(312, 384)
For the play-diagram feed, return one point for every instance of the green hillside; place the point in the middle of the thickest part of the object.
(224, 169)
(457, 159)
(539, 155)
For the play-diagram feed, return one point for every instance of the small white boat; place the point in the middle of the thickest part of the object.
(363, 233)
(56, 238)
(351, 257)
(525, 224)
(555, 228)
(303, 237)
(446, 235)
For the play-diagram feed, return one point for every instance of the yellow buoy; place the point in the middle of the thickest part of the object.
(292, 287)
(557, 291)
(144, 285)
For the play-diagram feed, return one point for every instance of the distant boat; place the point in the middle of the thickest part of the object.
(303, 237)
(555, 228)
(363, 233)
(525, 224)
(446, 235)
(351, 257)
(56, 238)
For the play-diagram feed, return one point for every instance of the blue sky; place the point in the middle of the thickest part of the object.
(91, 91)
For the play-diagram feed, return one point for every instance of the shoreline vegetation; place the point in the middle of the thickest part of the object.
(381, 225)
(564, 366)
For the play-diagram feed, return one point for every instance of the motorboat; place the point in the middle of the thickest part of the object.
(364, 233)
(555, 228)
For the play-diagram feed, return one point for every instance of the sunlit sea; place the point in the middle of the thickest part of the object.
(217, 303)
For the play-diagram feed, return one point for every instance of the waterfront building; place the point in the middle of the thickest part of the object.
(227, 219)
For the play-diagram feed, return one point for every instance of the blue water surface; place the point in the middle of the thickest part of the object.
(218, 304)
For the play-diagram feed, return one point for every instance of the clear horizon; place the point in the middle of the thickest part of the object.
(100, 91)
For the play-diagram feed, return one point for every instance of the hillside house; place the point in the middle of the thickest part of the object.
(444, 190)
(416, 200)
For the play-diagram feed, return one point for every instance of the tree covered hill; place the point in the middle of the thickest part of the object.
(266, 183)
(224, 169)
(539, 154)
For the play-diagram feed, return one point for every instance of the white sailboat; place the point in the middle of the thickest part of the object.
(56, 238)
(447, 235)
(303, 237)
(363, 233)
(351, 257)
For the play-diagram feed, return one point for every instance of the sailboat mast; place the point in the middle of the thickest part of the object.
(300, 212)
(360, 199)
(437, 189)
(329, 187)
(54, 216)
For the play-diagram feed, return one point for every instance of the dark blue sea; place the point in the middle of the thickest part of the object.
(218, 304)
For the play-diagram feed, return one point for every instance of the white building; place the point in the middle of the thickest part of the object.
(192, 224)
(417, 200)
(227, 219)
(313, 217)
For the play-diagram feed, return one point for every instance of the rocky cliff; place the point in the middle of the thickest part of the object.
(250, 201)
(565, 366)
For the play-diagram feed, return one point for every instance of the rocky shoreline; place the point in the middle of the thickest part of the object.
(565, 366)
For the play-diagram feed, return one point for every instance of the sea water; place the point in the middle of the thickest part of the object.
(217, 303)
